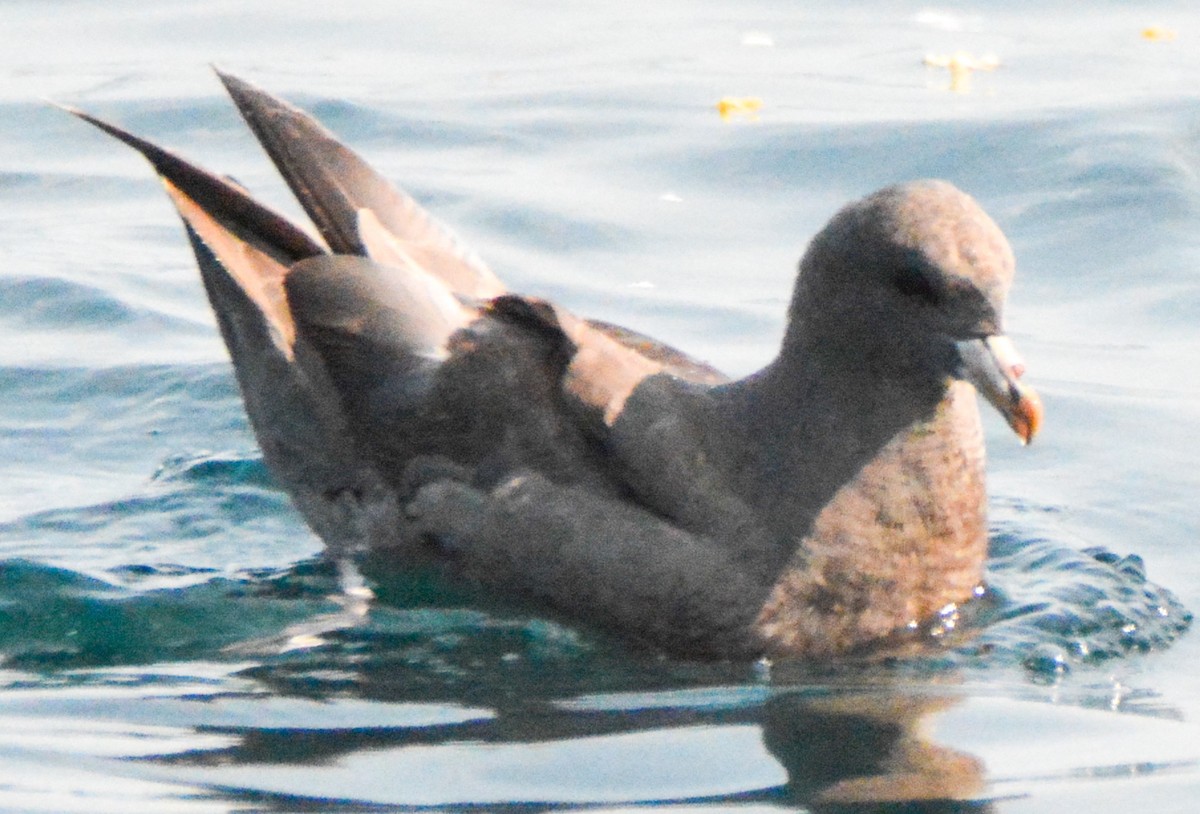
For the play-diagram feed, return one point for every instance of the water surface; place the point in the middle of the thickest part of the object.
(171, 640)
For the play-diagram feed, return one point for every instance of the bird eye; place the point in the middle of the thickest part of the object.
(914, 279)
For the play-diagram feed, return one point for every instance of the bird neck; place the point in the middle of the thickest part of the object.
(813, 420)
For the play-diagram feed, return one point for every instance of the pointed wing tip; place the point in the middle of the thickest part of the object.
(248, 97)
(232, 83)
(110, 129)
(74, 111)
(218, 196)
(141, 145)
(77, 113)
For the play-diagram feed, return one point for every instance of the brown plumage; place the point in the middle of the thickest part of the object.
(413, 407)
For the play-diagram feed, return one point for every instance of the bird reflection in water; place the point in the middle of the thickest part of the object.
(870, 751)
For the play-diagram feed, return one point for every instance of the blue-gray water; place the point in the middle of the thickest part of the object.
(170, 639)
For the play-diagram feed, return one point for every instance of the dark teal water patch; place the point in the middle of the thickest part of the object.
(226, 468)
(53, 619)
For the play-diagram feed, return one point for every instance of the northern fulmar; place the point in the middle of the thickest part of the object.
(414, 407)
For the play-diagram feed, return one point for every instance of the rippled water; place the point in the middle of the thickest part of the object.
(171, 639)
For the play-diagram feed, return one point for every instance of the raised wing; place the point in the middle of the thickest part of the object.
(356, 210)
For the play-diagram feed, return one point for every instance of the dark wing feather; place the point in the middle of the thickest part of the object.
(356, 209)
(224, 200)
(244, 250)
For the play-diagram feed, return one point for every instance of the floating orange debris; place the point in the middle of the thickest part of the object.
(1156, 33)
(731, 107)
(961, 65)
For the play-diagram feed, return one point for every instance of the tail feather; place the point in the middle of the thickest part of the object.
(244, 251)
(294, 408)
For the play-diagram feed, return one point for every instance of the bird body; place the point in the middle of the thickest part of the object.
(414, 407)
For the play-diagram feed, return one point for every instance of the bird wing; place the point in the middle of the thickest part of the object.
(356, 209)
